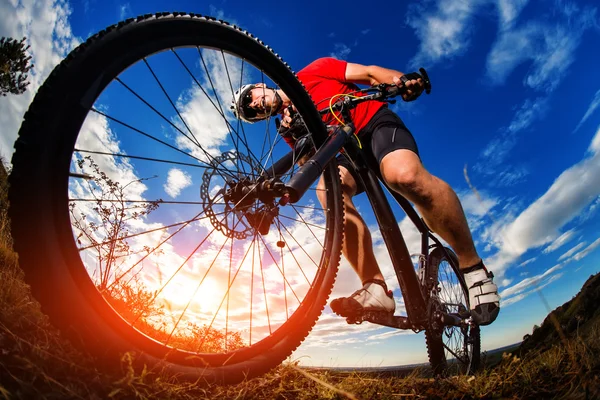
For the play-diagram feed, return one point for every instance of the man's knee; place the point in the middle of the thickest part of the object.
(402, 169)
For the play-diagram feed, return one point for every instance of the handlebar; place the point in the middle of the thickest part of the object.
(381, 92)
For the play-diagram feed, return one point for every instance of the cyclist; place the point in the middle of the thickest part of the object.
(391, 149)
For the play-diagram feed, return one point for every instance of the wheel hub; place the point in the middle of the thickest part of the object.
(237, 205)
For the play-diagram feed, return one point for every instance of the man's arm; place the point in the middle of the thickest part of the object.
(374, 75)
(370, 74)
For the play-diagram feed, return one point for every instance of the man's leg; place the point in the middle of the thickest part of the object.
(358, 250)
(442, 211)
(358, 245)
(436, 201)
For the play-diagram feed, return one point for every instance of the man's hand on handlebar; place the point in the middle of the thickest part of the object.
(287, 116)
(414, 87)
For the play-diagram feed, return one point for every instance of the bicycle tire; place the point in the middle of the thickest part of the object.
(465, 352)
(39, 198)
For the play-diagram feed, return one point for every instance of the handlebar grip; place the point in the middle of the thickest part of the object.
(393, 90)
(426, 81)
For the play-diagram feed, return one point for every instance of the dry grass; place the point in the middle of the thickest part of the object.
(37, 363)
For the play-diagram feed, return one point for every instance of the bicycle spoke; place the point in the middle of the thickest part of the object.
(279, 269)
(283, 268)
(294, 256)
(158, 246)
(228, 284)
(232, 281)
(143, 233)
(305, 223)
(452, 352)
(217, 106)
(262, 276)
(197, 287)
(195, 140)
(243, 139)
(143, 158)
(301, 247)
(148, 135)
(207, 275)
(159, 201)
(252, 288)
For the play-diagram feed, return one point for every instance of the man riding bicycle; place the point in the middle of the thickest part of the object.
(391, 149)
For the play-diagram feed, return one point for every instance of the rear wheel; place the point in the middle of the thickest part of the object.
(126, 209)
(451, 349)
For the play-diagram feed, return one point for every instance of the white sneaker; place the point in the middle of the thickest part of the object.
(483, 295)
(373, 296)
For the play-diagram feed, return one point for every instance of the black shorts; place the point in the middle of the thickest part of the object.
(384, 133)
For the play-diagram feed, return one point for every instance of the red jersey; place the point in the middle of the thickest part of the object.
(326, 77)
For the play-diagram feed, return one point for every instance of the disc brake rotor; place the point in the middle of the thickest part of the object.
(227, 197)
(222, 216)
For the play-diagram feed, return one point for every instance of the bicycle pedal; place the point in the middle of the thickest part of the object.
(354, 319)
(376, 317)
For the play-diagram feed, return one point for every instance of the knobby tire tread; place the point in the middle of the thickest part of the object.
(40, 118)
(434, 343)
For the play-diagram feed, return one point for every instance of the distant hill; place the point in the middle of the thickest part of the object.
(574, 318)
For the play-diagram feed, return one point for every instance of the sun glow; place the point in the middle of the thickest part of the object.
(206, 297)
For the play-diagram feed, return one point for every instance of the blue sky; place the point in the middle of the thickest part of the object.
(515, 104)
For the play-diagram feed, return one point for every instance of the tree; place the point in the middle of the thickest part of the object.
(14, 66)
(106, 226)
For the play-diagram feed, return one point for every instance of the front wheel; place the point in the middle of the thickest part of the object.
(451, 349)
(129, 206)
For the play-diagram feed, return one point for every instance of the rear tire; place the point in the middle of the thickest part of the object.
(451, 349)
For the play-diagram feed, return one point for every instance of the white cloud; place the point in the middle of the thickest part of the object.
(177, 180)
(527, 113)
(572, 251)
(549, 47)
(541, 222)
(509, 11)
(528, 261)
(199, 112)
(587, 250)
(45, 23)
(560, 241)
(590, 212)
(124, 11)
(494, 154)
(476, 207)
(505, 282)
(443, 32)
(521, 290)
(340, 51)
(477, 204)
(590, 110)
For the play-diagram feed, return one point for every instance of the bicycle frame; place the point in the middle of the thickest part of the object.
(412, 289)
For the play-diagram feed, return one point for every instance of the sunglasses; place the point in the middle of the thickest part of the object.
(250, 112)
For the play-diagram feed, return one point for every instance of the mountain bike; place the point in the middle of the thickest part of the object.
(149, 220)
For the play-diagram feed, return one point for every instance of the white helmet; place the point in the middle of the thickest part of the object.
(240, 101)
